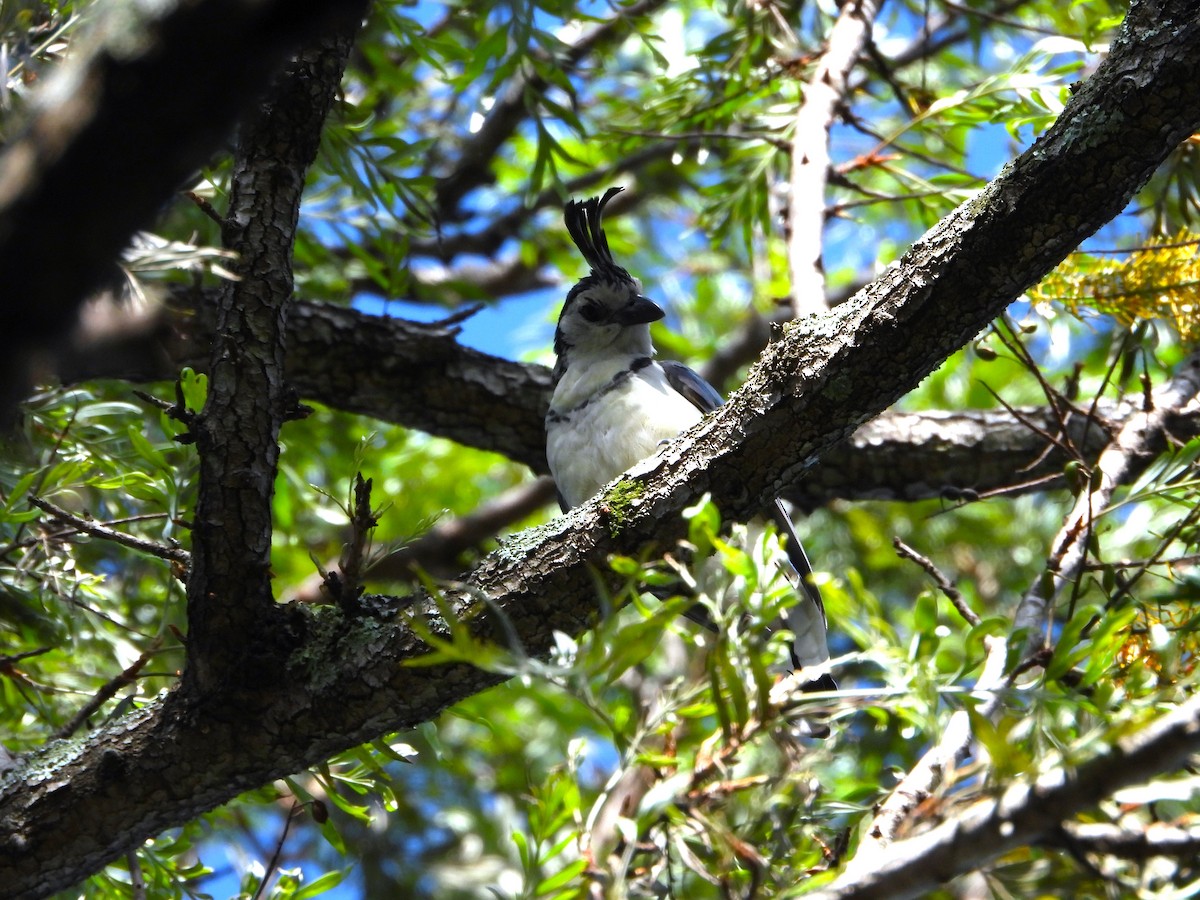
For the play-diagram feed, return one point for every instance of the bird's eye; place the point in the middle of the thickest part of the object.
(592, 312)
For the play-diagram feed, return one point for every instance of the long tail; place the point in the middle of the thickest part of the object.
(806, 619)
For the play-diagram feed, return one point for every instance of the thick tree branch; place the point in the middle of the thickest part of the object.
(1155, 839)
(92, 166)
(230, 597)
(1022, 814)
(418, 376)
(825, 91)
(346, 682)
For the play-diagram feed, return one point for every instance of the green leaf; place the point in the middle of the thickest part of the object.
(563, 877)
(321, 884)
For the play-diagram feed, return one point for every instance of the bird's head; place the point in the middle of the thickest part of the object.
(605, 312)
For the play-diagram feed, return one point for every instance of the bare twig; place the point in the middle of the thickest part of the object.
(137, 881)
(207, 208)
(7, 662)
(953, 594)
(347, 587)
(273, 864)
(109, 690)
(437, 551)
(95, 529)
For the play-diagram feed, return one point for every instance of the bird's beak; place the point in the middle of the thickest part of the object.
(638, 311)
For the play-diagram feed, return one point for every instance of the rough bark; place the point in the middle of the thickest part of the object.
(229, 593)
(71, 806)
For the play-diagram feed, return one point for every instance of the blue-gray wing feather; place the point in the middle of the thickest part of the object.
(699, 392)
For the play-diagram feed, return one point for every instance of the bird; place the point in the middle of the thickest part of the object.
(613, 404)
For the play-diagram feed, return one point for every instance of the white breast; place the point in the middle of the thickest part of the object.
(603, 437)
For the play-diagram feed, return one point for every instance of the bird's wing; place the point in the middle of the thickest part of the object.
(699, 392)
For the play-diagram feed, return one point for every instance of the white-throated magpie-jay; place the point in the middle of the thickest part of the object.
(613, 405)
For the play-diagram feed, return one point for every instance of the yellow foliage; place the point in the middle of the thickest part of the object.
(1160, 280)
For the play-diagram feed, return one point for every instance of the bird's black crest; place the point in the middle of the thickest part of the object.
(583, 219)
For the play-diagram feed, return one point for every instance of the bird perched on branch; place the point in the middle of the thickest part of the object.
(614, 404)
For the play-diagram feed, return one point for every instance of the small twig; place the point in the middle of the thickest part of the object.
(207, 208)
(437, 551)
(106, 693)
(269, 872)
(95, 529)
(999, 19)
(67, 532)
(137, 881)
(7, 662)
(1031, 425)
(1155, 559)
(1054, 398)
(456, 317)
(944, 584)
(178, 410)
(346, 585)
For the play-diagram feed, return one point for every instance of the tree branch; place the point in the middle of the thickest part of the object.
(1156, 839)
(104, 532)
(825, 91)
(418, 376)
(1022, 814)
(1070, 546)
(230, 596)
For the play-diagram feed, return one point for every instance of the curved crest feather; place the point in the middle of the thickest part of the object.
(584, 223)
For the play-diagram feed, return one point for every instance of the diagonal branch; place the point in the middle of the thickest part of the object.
(106, 533)
(1070, 546)
(343, 681)
(1022, 814)
(825, 91)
